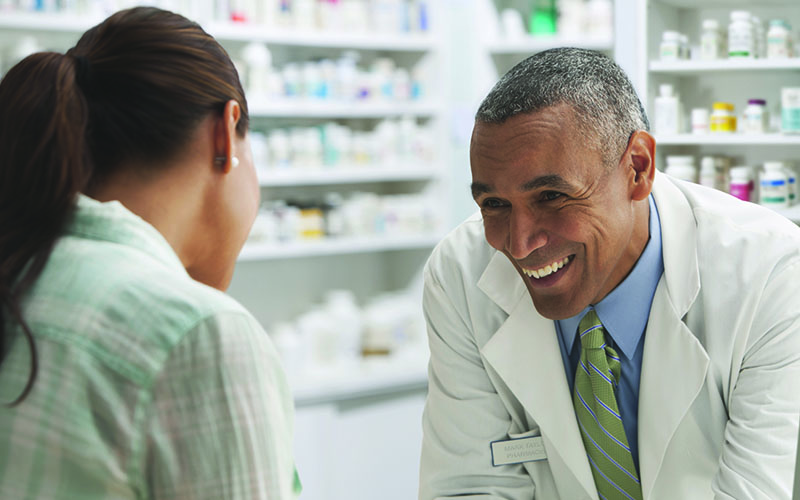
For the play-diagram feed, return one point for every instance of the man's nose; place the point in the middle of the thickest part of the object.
(525, 233)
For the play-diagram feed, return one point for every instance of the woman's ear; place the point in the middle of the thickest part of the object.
(640, 158)
(225, 137)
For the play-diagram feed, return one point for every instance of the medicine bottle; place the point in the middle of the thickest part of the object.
(741, 36)
(710, 40)
(741, 183)
(759, 38)
(790, 110)
(722, 117)
(708, 174)
(779, 44)
(683, 51)
(794, 188)
(667, 111)
(700, 120)
(681, 167)
(722, 164)
(670, 48)
(755, 117)
(774, 185)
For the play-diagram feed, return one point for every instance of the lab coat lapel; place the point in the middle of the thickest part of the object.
(675, 363)
(525, 354)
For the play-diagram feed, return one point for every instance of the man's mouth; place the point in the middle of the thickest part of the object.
(548, 269)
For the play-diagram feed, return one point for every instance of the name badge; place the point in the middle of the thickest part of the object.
(517, 451)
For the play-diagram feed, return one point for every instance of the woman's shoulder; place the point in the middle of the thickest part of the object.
(127, 310)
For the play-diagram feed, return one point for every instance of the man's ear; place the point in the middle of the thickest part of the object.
(640, 158)
(225, 135)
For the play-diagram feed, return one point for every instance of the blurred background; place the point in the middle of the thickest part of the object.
(361, 114)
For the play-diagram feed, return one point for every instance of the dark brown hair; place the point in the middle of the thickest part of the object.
(133, 89)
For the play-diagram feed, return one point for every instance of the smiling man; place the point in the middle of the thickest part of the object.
(600, 330)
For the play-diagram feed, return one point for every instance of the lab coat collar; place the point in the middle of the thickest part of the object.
(678, 244)
(675, 363)
(502, 283)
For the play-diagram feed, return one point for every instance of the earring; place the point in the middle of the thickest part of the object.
(220, 161)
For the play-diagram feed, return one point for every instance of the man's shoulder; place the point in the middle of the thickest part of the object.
(731, 223)
(463, 251)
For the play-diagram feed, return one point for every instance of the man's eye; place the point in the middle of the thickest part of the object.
(492, 203)
(551, 195)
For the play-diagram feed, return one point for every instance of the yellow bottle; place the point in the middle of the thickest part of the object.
(722, 117)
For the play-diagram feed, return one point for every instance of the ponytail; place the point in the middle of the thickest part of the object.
(44, 164)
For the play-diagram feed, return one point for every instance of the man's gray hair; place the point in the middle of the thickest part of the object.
(602, 97)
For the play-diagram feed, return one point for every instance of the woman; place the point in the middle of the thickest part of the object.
(127, 189)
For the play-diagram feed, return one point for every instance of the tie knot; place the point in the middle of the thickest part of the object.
(591, 331)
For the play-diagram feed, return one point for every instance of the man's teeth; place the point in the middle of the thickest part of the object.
(547, 270)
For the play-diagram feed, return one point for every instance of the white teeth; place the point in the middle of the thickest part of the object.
(547, 270)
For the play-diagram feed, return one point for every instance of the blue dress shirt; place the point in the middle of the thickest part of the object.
(624, 313)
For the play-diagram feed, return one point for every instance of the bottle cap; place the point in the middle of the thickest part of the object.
(671, 36)
(758, 102)
(710, 24)
(725, 106)
(665, 89)
(742, 173)
(740, 15)
(773, 165)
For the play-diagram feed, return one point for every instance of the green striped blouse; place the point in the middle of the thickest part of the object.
(150, 384)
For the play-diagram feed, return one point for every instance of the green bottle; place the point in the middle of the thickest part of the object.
(543, 18)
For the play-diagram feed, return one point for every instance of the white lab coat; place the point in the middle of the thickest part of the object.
(720, 385)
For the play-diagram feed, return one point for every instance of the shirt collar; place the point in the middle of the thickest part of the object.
(111, 221)
(624, 311)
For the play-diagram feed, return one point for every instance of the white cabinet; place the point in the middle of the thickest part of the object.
(702, 82)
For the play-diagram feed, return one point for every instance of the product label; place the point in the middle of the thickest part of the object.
(740, 43)
(790, 122)
(741, 191)
(723, 123)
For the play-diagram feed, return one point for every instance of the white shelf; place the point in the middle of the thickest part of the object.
(335, 246)
(36, 22)
(729, 4)
(324, 176)
(723, 65)
(372, 377)
(723, 139)
(308, 108)
(412, 42)
(532, 44)
(232, 32)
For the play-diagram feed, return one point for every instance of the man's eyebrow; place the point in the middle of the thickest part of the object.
(479, 188)
(552, 181)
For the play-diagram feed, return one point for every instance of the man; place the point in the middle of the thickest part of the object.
(600, 330)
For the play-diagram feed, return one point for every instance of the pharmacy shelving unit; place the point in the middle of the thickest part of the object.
(278, 281)
(699, 83)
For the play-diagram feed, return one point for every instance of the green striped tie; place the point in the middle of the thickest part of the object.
(598, 415)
